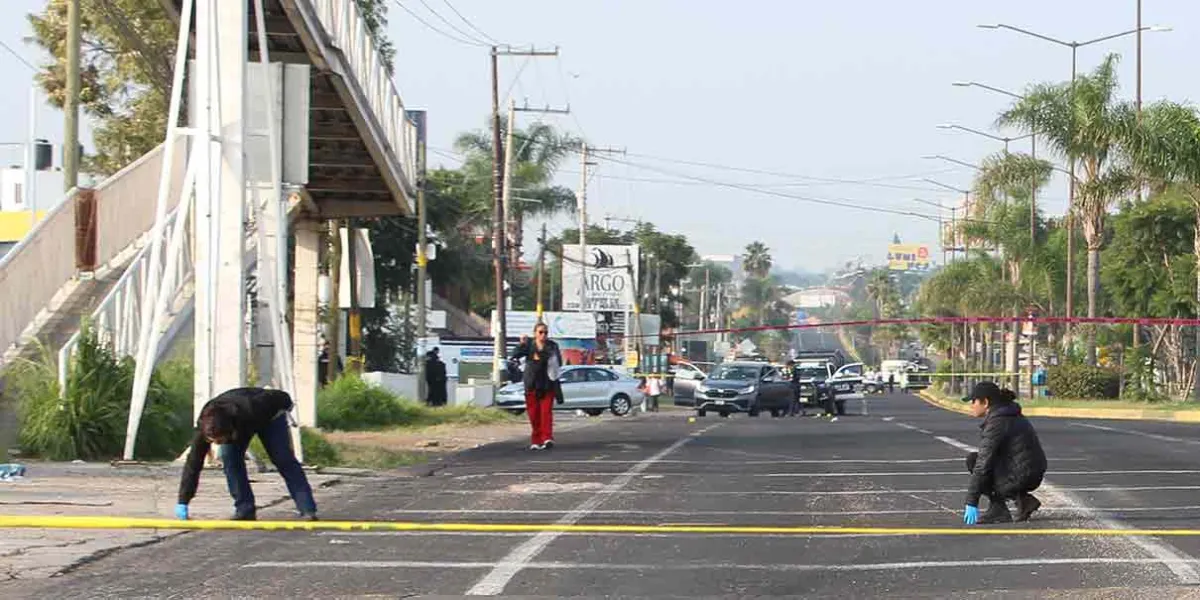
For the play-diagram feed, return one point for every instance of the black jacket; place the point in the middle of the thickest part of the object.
(252, 410)
(1010, 459)
(537, 377)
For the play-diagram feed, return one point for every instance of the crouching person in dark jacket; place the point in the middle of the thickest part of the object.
(1010, 463)
(231, 420)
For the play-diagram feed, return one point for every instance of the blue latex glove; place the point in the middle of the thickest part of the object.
(971, 515)
(181, 512)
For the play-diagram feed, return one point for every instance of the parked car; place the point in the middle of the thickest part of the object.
(744, 386)
(592, 389)
(687, 378)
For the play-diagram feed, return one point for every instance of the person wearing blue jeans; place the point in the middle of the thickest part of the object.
(231, 420)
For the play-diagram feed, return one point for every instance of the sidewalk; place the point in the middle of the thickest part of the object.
(1031, 409)
(91, 489)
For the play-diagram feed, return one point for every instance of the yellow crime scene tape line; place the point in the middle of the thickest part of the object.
(69, 522)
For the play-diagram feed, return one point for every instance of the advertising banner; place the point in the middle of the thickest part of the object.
(908, 257)
(611, 272)
(560, 325)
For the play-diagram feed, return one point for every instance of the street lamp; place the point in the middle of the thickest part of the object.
(1032, 154)
(985, 134)
(953, 226)
(1075, 46)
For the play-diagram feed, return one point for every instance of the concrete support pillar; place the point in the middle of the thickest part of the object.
(306, 319)
(229, 350)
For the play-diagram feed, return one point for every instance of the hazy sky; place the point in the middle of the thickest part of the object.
(848, 90)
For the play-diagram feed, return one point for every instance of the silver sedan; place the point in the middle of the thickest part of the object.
(592, 389)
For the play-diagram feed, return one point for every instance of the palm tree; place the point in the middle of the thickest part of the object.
(757, 260)
(763, 296)
(538, 151)
(881, 290)
(1084, 121)
(1166, 151)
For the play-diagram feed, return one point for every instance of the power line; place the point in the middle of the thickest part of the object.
(435, 13)
(18, 56)
(471, 25)
(435, 29)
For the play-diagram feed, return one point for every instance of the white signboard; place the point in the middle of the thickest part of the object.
(562, 325)
(611, 272)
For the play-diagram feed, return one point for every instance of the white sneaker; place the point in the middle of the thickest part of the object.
(548, 444)
(833, 419)
(536, 447)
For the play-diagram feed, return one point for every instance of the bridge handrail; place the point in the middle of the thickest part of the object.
(347, 30)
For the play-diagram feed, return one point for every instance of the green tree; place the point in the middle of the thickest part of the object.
(757, 259)
(1087, 122)
(125, 74)
(537, 152)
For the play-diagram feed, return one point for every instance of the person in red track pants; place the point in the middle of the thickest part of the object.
(543, 361)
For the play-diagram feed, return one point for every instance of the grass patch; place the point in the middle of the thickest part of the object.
(351, 404)
(362, 456)
(1100, 403)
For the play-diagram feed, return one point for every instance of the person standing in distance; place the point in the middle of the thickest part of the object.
(1010, 462)
(230, 420)
(543, 361)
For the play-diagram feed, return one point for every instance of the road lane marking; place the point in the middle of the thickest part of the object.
(914, 428)
(495, 581)
(774, 513)
(826, 461)
(1169, 556)
(558, 528)
(660, 475)
(1153, 436)
(710, 566)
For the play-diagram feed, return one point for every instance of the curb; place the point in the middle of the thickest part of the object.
(1115, 414)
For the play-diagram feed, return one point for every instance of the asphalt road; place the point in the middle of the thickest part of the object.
(900, 465)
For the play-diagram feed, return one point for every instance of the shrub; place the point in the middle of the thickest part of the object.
(1080, 380)
(349, 404)
(317, 449)
(88, 419)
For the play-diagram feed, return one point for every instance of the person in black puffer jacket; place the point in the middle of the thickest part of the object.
(543, 361)
(1010, 462)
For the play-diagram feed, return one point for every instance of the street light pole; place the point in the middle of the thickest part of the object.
(1075, 46)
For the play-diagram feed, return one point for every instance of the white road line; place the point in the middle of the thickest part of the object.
(767, 513)
(495, 581)
(1169, 556)
(710, 566)
(826, 461)
(1106, 488)
(659, 475)
(914, 428)
(1153, 436)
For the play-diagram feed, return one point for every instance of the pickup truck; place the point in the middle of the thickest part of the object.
(820, 381)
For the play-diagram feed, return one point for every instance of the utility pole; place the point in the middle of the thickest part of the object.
(541, 281)
(418, 118)
(500, 337)
(71, 108)
(581, 199)
(511, 230)
(353, 317)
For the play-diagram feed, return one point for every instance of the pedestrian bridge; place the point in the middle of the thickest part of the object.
(354, 156)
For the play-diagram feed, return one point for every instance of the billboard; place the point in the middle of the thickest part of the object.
(560, 325)
(908, 257)
(611, 273)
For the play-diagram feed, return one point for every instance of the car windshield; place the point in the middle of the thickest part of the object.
(735, 373)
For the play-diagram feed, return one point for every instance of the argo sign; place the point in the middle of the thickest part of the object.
(610, 273)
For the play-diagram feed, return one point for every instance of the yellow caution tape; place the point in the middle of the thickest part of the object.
(68, 522)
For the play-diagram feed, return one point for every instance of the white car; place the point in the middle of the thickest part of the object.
(592, 389)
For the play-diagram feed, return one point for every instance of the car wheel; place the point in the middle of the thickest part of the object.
(516, 411)
(593, 412)
(724, 414)
(753, 411)
(701, 412)
(620, 405)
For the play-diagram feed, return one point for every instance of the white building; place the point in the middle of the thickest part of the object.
(733, 262)
(13, 196)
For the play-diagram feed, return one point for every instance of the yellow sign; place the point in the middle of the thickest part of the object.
(908, 257)
(15, 224)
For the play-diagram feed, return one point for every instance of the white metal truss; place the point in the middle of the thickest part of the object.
(216, 186)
